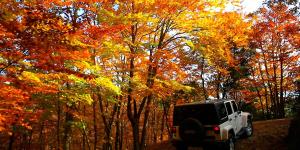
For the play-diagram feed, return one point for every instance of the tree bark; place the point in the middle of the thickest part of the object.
(68, 129)
(95, 125)
(58, 125)
(11, 141)
(281, 98)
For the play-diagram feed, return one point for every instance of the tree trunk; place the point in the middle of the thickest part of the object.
(118, 145)
(202, 78)
(276, 99)
(218, 85)
(108, 121)
(11, 141)
(58, 125)
(261, 103)
(144, 130)
(136, 139)
(41, 137)
(68, 129)
(281, 99)
(95, 126)
(162, 126)
(273, 105)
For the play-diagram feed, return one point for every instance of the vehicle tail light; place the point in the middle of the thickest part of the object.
(216, 129)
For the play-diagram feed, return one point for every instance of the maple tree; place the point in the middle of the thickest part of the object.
(275, 38)
(46, 56)
(222, 48)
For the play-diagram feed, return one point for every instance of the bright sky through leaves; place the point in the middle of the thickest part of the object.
(251, 5)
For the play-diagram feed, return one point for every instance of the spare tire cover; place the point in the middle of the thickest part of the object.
(191, 131)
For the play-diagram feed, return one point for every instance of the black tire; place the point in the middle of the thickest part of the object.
(207, 147)
(249, 128)
(181, 146)
(191, 131)
(230, 143)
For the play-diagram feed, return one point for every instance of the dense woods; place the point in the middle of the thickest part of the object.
(105, 74)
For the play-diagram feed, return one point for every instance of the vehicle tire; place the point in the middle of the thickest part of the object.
(230, 144)
(181, 146)
(191, 131)
(207, 147)
(249, 128)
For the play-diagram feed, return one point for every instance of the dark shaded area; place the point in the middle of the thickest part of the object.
(294, 130)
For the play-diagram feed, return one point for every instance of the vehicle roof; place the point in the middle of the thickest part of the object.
(209, 101)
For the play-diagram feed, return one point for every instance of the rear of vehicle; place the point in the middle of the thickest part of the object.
(198, 124)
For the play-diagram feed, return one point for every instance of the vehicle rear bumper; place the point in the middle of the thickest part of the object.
(210, 143)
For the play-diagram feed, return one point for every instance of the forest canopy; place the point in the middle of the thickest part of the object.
(107, 73)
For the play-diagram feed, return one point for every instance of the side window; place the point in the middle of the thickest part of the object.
(222, 111)
(228, 107)
(234, 106)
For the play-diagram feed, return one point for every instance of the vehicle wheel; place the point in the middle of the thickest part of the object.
(181, 146)
(207, 148)
(249, 128)
(230, 145)
(191, 131)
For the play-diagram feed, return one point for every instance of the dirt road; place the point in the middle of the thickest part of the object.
(268, 135)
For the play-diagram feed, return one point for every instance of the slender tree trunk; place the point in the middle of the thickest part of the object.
(132, 116)
(84, 139)
(218, 85)
(162, 126)
(265, 91)
(58, 124)
(95, 126)
(202, 78)
(118, 137)
(121, 135)
(267, 103)
(154, 126)
(166, 109)
(276, 99)
(282, 102)
(108, 121)
(273, 104)
(11, 141)
(145, 123)
(41, 137)
(30, 140)
(261, 103)
(67, 129)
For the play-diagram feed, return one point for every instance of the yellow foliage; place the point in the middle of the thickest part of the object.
(30, 77)
(221, 32)
(107, 84)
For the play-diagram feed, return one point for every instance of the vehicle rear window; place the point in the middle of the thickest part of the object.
(228, 107)
(205, 113)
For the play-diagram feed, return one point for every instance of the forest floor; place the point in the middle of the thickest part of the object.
(268, 135)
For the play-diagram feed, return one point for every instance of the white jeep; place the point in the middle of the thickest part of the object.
(216, 123)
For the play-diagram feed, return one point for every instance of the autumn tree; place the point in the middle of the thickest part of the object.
(221, 45)
(46, 56)
(153, 41)
(276, 40)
